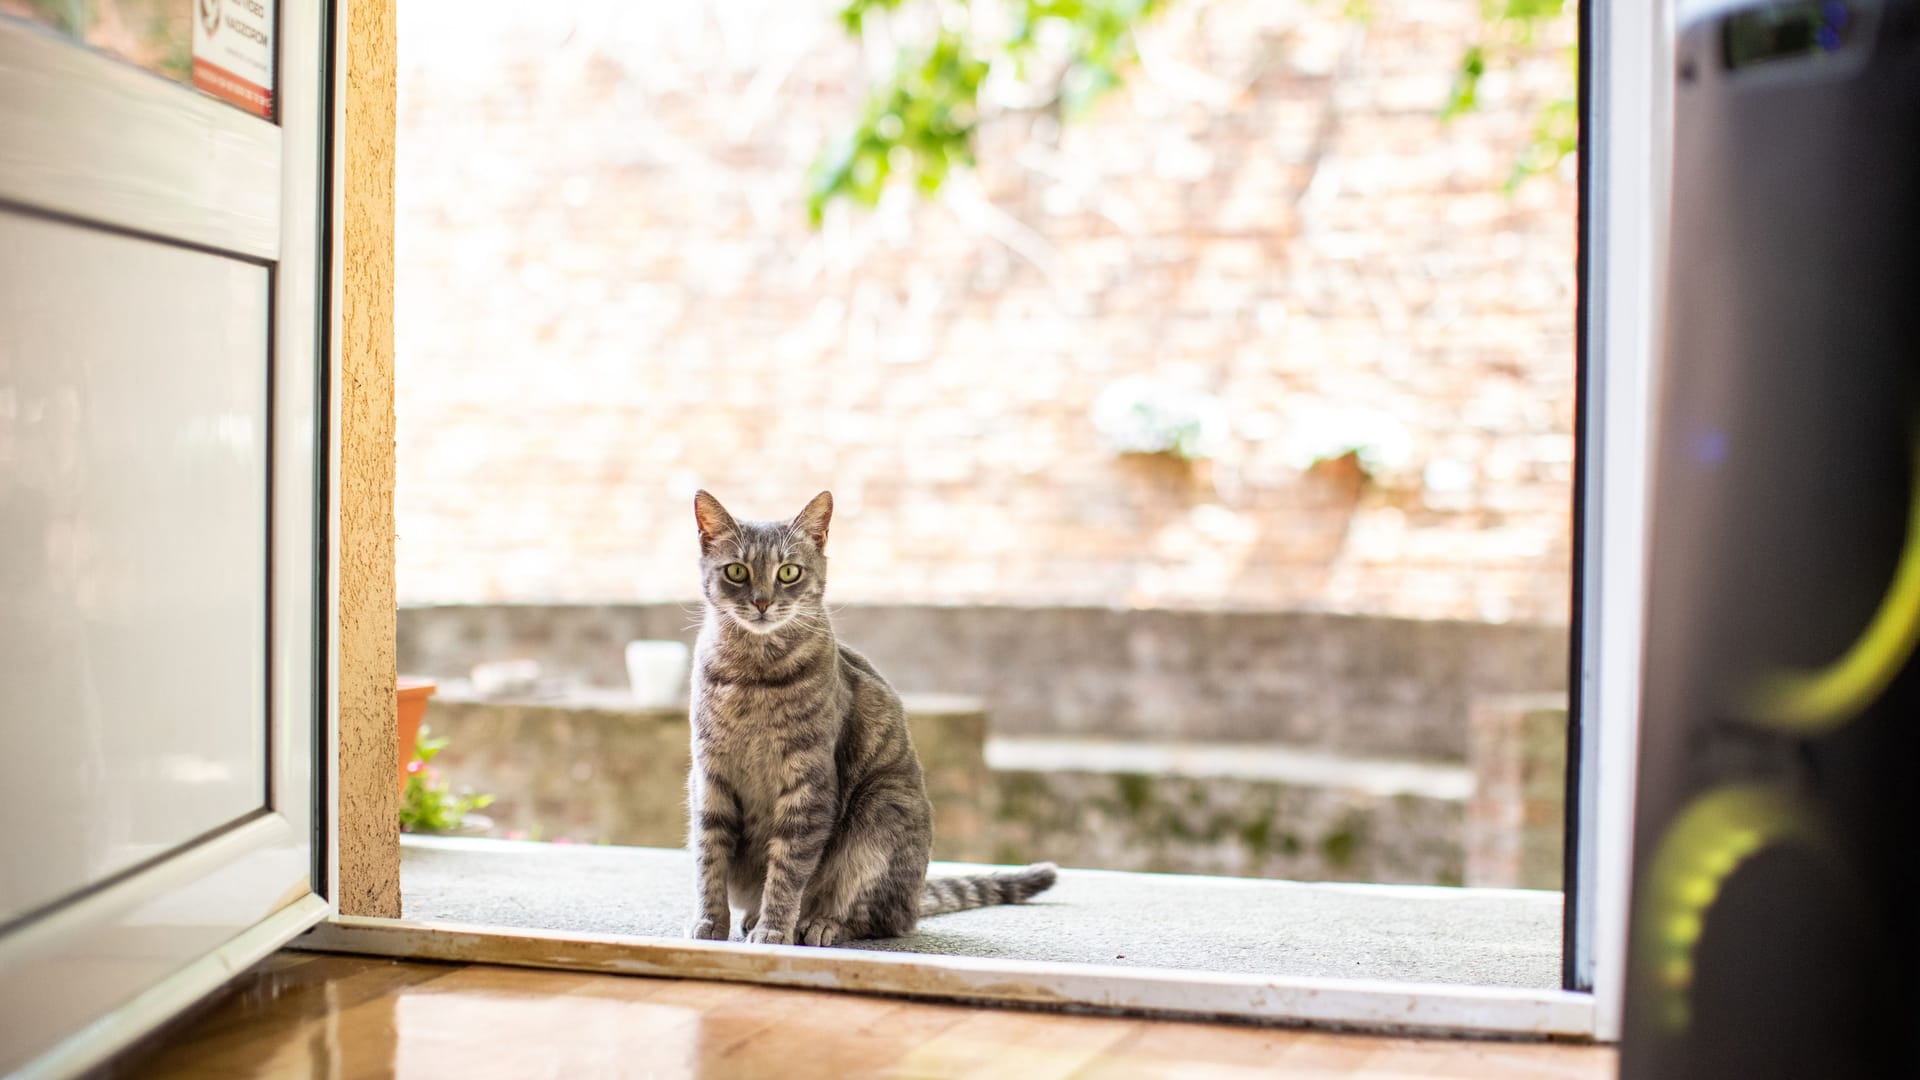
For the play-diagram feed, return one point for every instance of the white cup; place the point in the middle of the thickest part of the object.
(657, 672)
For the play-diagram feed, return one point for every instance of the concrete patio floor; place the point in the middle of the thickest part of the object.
(1474, 937)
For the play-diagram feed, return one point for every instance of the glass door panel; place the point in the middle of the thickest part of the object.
(133, 551)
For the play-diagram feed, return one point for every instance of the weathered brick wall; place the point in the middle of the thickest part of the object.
(608, 296)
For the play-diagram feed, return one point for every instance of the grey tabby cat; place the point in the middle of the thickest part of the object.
(808, 807)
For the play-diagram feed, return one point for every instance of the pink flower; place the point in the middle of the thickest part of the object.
(414, 766)
(516, 834)
(561, 840)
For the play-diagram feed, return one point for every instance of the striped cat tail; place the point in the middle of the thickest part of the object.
(945, 895)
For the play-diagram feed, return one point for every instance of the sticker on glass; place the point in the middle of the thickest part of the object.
(233, 52)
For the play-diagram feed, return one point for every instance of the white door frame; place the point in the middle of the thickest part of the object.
(1627, 139)
(95, 143)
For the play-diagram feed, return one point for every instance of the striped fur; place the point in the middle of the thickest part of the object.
(945, 895)
(808, 810)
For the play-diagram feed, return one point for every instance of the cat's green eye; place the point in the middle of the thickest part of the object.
(736, 572)
(789, 574)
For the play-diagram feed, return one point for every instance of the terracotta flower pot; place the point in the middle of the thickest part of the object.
(413, 694)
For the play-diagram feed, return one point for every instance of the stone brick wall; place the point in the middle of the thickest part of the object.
(1350, 684)
(608, 296)
(1516, 818)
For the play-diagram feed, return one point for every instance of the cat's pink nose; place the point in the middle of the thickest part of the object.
(762, 605)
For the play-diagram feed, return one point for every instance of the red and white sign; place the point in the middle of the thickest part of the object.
(233, 52)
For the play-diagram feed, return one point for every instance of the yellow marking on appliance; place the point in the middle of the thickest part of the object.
(1822, 700)
(1706, 843)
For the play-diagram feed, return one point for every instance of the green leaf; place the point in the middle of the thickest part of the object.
(1464, 96)
(1556, 136)
(853, 17)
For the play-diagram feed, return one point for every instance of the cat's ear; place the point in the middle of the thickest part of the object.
(814, 519)
(712, 518)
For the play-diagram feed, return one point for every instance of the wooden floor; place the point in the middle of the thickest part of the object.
(343, 1018)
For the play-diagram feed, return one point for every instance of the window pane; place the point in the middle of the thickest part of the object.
(222, 47)
(155, 34)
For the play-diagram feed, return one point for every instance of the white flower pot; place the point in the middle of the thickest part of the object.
(657, 672)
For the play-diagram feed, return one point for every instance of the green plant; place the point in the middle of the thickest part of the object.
(429, 804)
(1507, 26)
(1142, 416)
(1060, 57)
(920, 122)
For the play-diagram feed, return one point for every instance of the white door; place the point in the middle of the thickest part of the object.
(160, 335)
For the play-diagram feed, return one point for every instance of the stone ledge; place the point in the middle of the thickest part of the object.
(1345, 684)
(598, 767)
(592, 700)
(1237, 761)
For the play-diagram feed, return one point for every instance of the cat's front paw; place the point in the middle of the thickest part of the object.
(766, 935)
(707, 930)
(822, 932)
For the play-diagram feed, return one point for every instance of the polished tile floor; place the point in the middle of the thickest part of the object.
(345, 1018)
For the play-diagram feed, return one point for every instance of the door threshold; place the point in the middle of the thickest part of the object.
(1342, 1004)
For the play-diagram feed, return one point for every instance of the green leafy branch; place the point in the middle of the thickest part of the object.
(921, 122)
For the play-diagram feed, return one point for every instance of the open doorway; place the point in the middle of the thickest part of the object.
(1205, 462)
